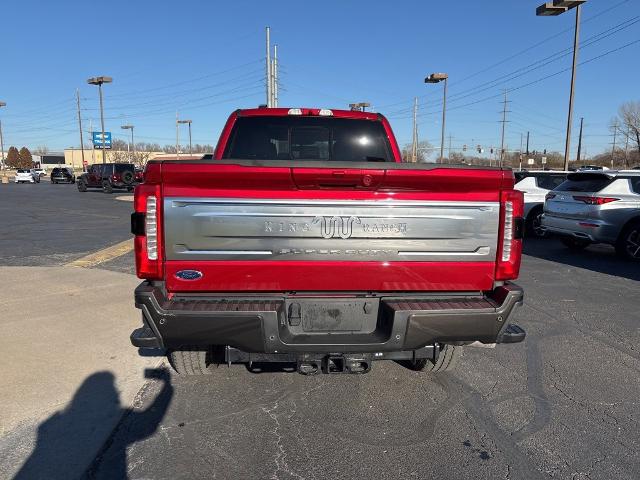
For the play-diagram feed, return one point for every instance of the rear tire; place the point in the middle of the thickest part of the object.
(82, 186)
(447, 361)
(534, 223)
(190, 361)
(628, 243)
(575, 244)
(107, 187)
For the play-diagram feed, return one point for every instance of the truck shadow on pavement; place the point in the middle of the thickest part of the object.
(61, 450)
(597, 258)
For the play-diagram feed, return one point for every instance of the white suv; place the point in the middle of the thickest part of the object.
(27, 176)
(535, 184)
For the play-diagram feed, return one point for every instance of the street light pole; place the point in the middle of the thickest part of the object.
(188, 122)
(576, 41)
(133, 145)
(554, 8)
(444, 118)
(437, 78)
(99, 81)
(2, 104)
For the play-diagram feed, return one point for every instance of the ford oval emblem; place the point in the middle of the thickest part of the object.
(189, 275)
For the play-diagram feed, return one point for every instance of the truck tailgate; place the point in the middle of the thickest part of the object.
(264, 229)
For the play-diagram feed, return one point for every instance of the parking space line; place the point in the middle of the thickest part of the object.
(104, 255)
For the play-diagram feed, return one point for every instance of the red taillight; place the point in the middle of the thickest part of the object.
(510, 238)
(550, 196)
(594, 200)
(148, 243)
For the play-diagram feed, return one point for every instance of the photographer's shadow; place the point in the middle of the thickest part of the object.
(67, 441)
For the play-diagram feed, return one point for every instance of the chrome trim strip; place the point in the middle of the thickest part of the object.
(479, 252)
(226, 252)
(184, 202)
(289, 215)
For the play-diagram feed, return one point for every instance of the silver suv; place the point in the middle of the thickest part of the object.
(597, 207)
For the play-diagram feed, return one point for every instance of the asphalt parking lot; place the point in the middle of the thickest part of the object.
(564, 404)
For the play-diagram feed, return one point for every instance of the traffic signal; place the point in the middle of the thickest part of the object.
(464, 148)
(545, 151)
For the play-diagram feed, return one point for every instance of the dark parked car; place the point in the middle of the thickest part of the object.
(108, 176)
(62, 175)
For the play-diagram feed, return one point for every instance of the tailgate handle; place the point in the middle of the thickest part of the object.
(295, 317)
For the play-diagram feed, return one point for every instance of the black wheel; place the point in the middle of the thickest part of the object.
(82, 186)
(628, 244)
(534, 223)
(129, 189)
(573, 243)
(107, 187)
(447, 361)
(191, 360)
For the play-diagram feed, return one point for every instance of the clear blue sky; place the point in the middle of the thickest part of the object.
(206, 58)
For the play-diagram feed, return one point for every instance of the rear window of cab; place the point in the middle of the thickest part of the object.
(308, 138)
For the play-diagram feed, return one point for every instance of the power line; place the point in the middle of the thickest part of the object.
(541, 79)
(545, 61)
(534, 65)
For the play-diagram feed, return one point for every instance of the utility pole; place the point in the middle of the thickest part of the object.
(580, 142)
(414, 144)
(615, 134)
(93, 146)
(274, 75)
(177, 137)
(1, 147)
(626, 148)
(504, 122)
(268, 30)
(449, 151)
(527, 144)
(80, 128)
(520, 155)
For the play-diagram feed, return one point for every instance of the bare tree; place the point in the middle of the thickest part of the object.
(629, 113)
(424, 148)
(140, 158)
(41, 150)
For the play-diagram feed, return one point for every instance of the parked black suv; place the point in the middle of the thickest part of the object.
(108, 176)
(62, 175)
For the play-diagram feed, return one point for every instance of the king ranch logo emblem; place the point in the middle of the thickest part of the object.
(337, 227)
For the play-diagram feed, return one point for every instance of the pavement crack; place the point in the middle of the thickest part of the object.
(280, 458)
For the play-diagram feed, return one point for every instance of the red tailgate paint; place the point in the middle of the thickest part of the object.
(270, 276)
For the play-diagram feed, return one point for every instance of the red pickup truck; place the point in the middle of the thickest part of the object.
(307, 240)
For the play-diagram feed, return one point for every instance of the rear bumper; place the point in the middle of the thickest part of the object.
(594, 230)
(267, 324)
